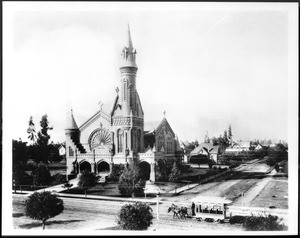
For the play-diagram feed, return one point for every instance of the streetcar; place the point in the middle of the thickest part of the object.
(211, 208)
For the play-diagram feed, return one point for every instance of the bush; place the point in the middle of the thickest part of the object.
(41, 176)
(175, 173)
(42, 206)
(22, 178)
(137, 216)
(116, 172)
(237, 219)
(263, 223)
(130, 182)
(86, 180)
(58, 179)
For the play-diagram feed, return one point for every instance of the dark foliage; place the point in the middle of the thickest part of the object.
(263, 223)
(58, 179)
(116, 172)
(130, 181)
(237, 219)
(137, 216)
(42, 206)
(87, 179)
(175, 173)
(21, 177)
(41, 176)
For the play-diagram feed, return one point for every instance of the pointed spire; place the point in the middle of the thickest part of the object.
(128, 52)
(71, 123)
(129, 41)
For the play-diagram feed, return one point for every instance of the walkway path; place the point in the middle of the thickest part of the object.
(58, 188)
(253, 192)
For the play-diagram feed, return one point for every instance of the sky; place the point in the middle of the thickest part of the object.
(206, 65)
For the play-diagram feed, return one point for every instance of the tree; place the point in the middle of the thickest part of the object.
(175, 173)
(190, 146)
(137, 216)
(43, 139)
(43, 206)
(41, 176)
(130, 181)
(20, 152)
(31, 131)
(87, 179)
(230, 133)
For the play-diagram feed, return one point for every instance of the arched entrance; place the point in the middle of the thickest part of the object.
(85, 166)
(145, 170)
(103, 167)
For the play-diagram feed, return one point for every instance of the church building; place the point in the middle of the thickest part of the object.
(119, 136)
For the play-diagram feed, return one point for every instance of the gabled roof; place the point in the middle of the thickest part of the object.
(95, 117)
(199, 149)
(164, 121)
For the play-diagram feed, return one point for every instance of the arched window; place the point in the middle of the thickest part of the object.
(120, 140)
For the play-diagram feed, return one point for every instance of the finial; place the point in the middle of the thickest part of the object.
(117, 90)
(101, 124)
(71, 110)
(164, 113)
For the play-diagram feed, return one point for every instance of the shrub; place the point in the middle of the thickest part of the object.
(137, 216)
(130, 182)
(175, 173)
(58, 179)
(263, 223)
(42, 206)
(116, 172)
(41, 176)
(86, 180)
(22, 178)
(237, 219)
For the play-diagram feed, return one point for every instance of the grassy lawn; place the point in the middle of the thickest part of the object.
(237, 189)
(273, 194)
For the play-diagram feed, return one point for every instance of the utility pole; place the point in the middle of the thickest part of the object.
(157, 195)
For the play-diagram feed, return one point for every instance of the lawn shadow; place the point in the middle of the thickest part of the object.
(111, 228)
(48, 223)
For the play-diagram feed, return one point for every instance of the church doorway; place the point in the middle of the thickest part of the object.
(85, 166)
(103, 167)
(145, 170)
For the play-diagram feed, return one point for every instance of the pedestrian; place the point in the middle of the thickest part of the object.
(193, 209)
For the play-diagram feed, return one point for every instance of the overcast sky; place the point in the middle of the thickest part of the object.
(206, 65)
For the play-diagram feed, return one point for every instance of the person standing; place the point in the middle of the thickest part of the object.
(193, 209)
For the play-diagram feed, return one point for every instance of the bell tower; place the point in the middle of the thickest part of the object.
(127, 114)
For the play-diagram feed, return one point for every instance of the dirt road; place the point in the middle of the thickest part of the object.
(83, 214)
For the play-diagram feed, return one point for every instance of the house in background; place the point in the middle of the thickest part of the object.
(237, 147)
(62, 150)
(199, 153)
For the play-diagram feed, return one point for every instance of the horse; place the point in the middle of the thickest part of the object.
(175, 211)
(183, 212)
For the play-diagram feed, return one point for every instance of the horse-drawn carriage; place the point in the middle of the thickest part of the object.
(210, 208)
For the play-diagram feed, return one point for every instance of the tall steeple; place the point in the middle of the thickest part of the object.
(128, 53)
(129, 41)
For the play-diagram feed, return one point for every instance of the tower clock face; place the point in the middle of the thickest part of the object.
(100, 137)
